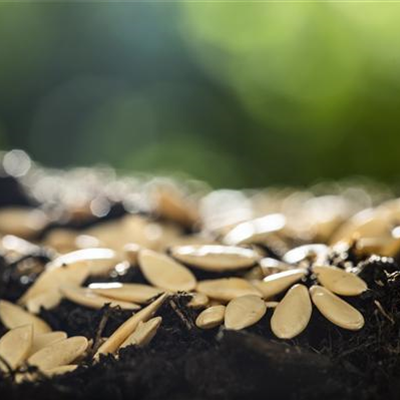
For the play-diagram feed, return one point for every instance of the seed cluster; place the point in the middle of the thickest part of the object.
(248, 261)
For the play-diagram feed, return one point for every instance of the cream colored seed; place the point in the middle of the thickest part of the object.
(52, 278)
(121, 334)
(339, 281)
(317, 252)
(60, 353)
(256, 230)
(198, 300)
(87, 298)
(63, 369)
(134, 292)
(63, 240)
(216, 257)
(14, 316)
(46, 339)
(15, 345)
(131, 251)
(335, 309)
(272, 304)
(48, 300)
(226, 289)
(211, 317)
(144, 333)
(244, 311)
(271, 266)
(292, 314)
(162, 271)
(277, 283)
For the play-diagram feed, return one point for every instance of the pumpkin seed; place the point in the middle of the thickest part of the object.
(226, 289)
(256, 230)
(60, 353)
(48, 300)
(132, 252)
(63, 369)
(144, 332)
(61, 239)
(292, 314)
(99, 260)
(271, 266)
(317, 252)
(215, 257)
(277, 283)
(22, 222)
(52, 278)
(121, 334)
(87, 298)
(211, 317)
(133, 292)
(244, 311)
(13, 316)
(339, 281)
(272, 304)
(162, 271)
(198, 300)
(15, 345)
(46, 339)
(335, 309)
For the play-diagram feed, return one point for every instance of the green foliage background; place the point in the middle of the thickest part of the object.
(238, 94)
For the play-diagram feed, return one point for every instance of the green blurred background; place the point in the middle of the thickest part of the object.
(238, 94)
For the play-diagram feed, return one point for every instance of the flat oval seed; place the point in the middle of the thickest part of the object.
(244, 311)
(198, 300)
(211, 317)
(134, 292)
(15, 345)
(120, 335)
(60, 353)
(216, 257)
(46, 339)
(48, 300)
(277, 283)
(86, 298)
(226, 289)
(14, 316)
(271, 266)
(144, 332)
(318, 252)
(164, 272)
(63, 369)
(292, 314)
(339, 281)
(335, 309)
(256, 230)
(52, 278)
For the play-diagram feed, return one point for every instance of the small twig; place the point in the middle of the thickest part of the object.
(181, 315)
(100, 329)
(384, 313)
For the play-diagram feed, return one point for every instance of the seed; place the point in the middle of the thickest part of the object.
(144, 333)
(134, 292)
(317, 252)
(211, 317)
(335, 309)
(215, 257)
(61, 239)
(52, 278)
(164, 272)
(256, 230)
(339, 281)
(272, 304)
(121, 334)
(244, 311)
(14, 316)
(60, 353)
(271, 266)
(226, 289)
(63, 369)
(132, 252)
(48, 300)
(100, 260)
(277, 283)
(292, 314)
(22, 222)
(46, 339)
(15, 345)
(87, 298)
(198, 300)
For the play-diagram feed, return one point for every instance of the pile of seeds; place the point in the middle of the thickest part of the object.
(198, 286)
